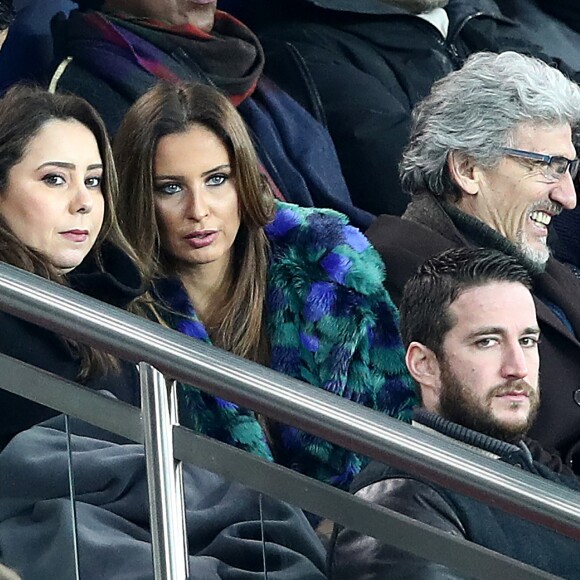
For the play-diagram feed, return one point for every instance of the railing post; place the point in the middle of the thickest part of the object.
(164, 479)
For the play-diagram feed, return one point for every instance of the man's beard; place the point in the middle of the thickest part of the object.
(459, 405)
(537, 256)
(417, 6)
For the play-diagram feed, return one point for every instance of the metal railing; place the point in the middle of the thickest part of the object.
(292, 402)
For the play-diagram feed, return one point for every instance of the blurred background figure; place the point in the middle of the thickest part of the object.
(6, 18)
(360, 66)
(27, 52)
(112, 51)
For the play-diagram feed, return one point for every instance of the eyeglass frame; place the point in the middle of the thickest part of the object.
(572, 165)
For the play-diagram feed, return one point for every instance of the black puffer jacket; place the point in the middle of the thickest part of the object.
(117, 285)
(360, 66)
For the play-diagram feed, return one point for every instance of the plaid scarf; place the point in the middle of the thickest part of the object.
(127, 52)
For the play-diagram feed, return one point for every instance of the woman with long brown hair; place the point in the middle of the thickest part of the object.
(299, 290)
(57, 185)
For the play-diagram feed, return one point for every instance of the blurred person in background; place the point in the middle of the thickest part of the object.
(6, 18)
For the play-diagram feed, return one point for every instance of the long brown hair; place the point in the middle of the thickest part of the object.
(236, 320)
(24, 111)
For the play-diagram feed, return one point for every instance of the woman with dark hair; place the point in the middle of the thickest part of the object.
(299, 290)
(57, 185)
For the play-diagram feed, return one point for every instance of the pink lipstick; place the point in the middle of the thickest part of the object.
(76, 235)
(201, 239)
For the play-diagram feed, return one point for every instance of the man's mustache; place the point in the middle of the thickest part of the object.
(519, 387)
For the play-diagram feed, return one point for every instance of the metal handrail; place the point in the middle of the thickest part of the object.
(288, 400)
(287, 485)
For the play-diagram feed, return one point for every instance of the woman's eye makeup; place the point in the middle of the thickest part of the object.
(217, 179)
(53, 179)
(93, 182)
(168, 188)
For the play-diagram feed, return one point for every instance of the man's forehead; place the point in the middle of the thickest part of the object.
(495, 304)
(548, 139)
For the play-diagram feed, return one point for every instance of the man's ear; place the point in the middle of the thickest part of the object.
(424, 368)
(463, 172)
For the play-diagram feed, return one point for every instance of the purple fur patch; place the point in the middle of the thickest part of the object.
(336, 266)
(193, 328)
(285, 220)
(276, 299)
(355, 239)
(309, 342)
(226, 405)
(320, 301)
(286, 360)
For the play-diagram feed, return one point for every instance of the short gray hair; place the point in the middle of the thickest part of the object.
(476, 110)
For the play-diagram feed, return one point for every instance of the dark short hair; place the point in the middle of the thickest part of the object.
(439, 281)
(6, 14)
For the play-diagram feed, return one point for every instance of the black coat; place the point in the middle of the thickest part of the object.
(426, 230)
(117, 285)
(353, 555)
(361, 66)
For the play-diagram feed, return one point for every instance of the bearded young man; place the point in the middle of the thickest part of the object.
(468, 321)
(490, 162)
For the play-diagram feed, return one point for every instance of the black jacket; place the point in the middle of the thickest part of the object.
(364, 558)
(427, 229)
(117, 285)
(360, 66)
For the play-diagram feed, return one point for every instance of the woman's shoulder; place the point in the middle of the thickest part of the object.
(322, 243)
(113, 277)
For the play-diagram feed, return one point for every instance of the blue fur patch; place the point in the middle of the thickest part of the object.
(285, 220)
(320, 300)
(355, 239)
(309, 342)
(336, 266)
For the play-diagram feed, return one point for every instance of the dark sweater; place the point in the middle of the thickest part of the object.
(29, 343)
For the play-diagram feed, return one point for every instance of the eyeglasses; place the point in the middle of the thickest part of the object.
(554, 166)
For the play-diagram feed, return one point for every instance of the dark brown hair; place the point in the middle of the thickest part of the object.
(439, 281)
(24, 111)
(237, 317)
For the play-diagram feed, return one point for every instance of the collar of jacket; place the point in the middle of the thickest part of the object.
(114, 278)
(457, 226)
(462, 434)
(519, 455)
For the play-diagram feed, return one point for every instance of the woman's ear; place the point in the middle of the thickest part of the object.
(424, 368)
(463, 172)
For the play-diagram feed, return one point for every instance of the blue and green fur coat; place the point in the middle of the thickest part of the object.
(331, 323)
